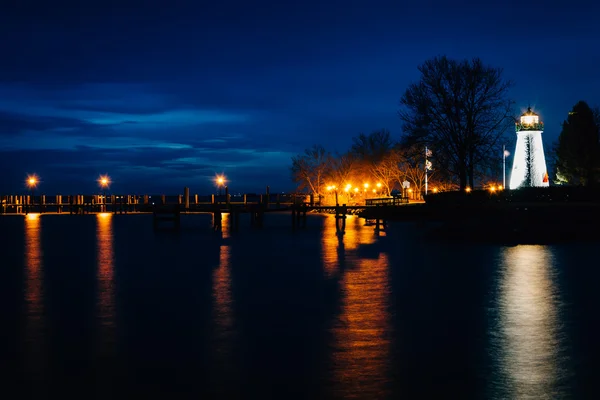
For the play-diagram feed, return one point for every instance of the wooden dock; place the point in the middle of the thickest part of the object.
(123, 204)
(167, 210)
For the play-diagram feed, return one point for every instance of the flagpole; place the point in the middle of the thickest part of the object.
(425, 170)
(503, 167)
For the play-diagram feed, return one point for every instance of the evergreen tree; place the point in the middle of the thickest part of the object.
(578, 147)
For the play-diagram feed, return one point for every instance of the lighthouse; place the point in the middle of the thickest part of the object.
(529, 162)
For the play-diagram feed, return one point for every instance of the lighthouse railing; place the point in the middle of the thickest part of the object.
(529, 127)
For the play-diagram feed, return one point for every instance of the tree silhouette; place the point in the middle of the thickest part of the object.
(460, 110)
(578, 147)
(310, 169)
(373, 147)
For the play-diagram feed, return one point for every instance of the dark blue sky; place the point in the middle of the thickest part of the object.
(161, 97)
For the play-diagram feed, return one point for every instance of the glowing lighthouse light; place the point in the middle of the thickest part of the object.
(529, 163)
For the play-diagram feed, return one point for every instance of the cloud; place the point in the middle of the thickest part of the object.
(109, 105)
(12, 124)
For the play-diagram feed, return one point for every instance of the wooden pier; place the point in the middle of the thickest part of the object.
(167, 210)
(123, 204)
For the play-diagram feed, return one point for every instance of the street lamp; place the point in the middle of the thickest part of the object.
(104, 182)
(220, 180)
(32, 182)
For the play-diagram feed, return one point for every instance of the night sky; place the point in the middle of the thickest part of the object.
(165, 97)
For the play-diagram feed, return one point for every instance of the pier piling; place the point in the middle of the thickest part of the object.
(186, 196)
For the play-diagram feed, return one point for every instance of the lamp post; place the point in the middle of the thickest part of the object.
(104, 182)
(32, 182)
(505, 154)
(220, 181)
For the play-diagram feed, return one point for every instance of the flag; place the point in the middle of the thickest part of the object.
(506, 153)
(428, 165)
(427, 152)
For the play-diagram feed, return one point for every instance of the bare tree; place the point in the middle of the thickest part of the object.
(310, 169)
(375, 157)
(459, 109)
(342, 168)
(387, 170)
(413, 166)
(372, 147)
(416, 176)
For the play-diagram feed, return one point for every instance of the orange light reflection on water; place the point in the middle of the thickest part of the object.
(34, 330)
(222, 291)
(361, 343)
(105, 305)
(223, 310)
(225, 221)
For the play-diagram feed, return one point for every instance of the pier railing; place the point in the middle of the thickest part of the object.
(81, 204)
(117, 203)
(387, 201)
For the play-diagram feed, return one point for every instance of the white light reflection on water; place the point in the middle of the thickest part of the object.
(34, 295)
(528, 342)
(105, 304)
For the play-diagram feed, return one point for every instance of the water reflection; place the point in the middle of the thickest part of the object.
(361, 331)
(528, 346)
(334, 250)
(34, 329)
(222, 293)
(223, 309)
(105, 305)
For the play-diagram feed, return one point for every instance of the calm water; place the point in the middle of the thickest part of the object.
(104, 307)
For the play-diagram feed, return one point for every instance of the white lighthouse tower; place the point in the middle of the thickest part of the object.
(529, 162)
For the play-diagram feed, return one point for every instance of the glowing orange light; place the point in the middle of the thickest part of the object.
(220, 180)
(435, 190)
(104, 181)
(467, 189)
(378, 184)
(32, 181)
